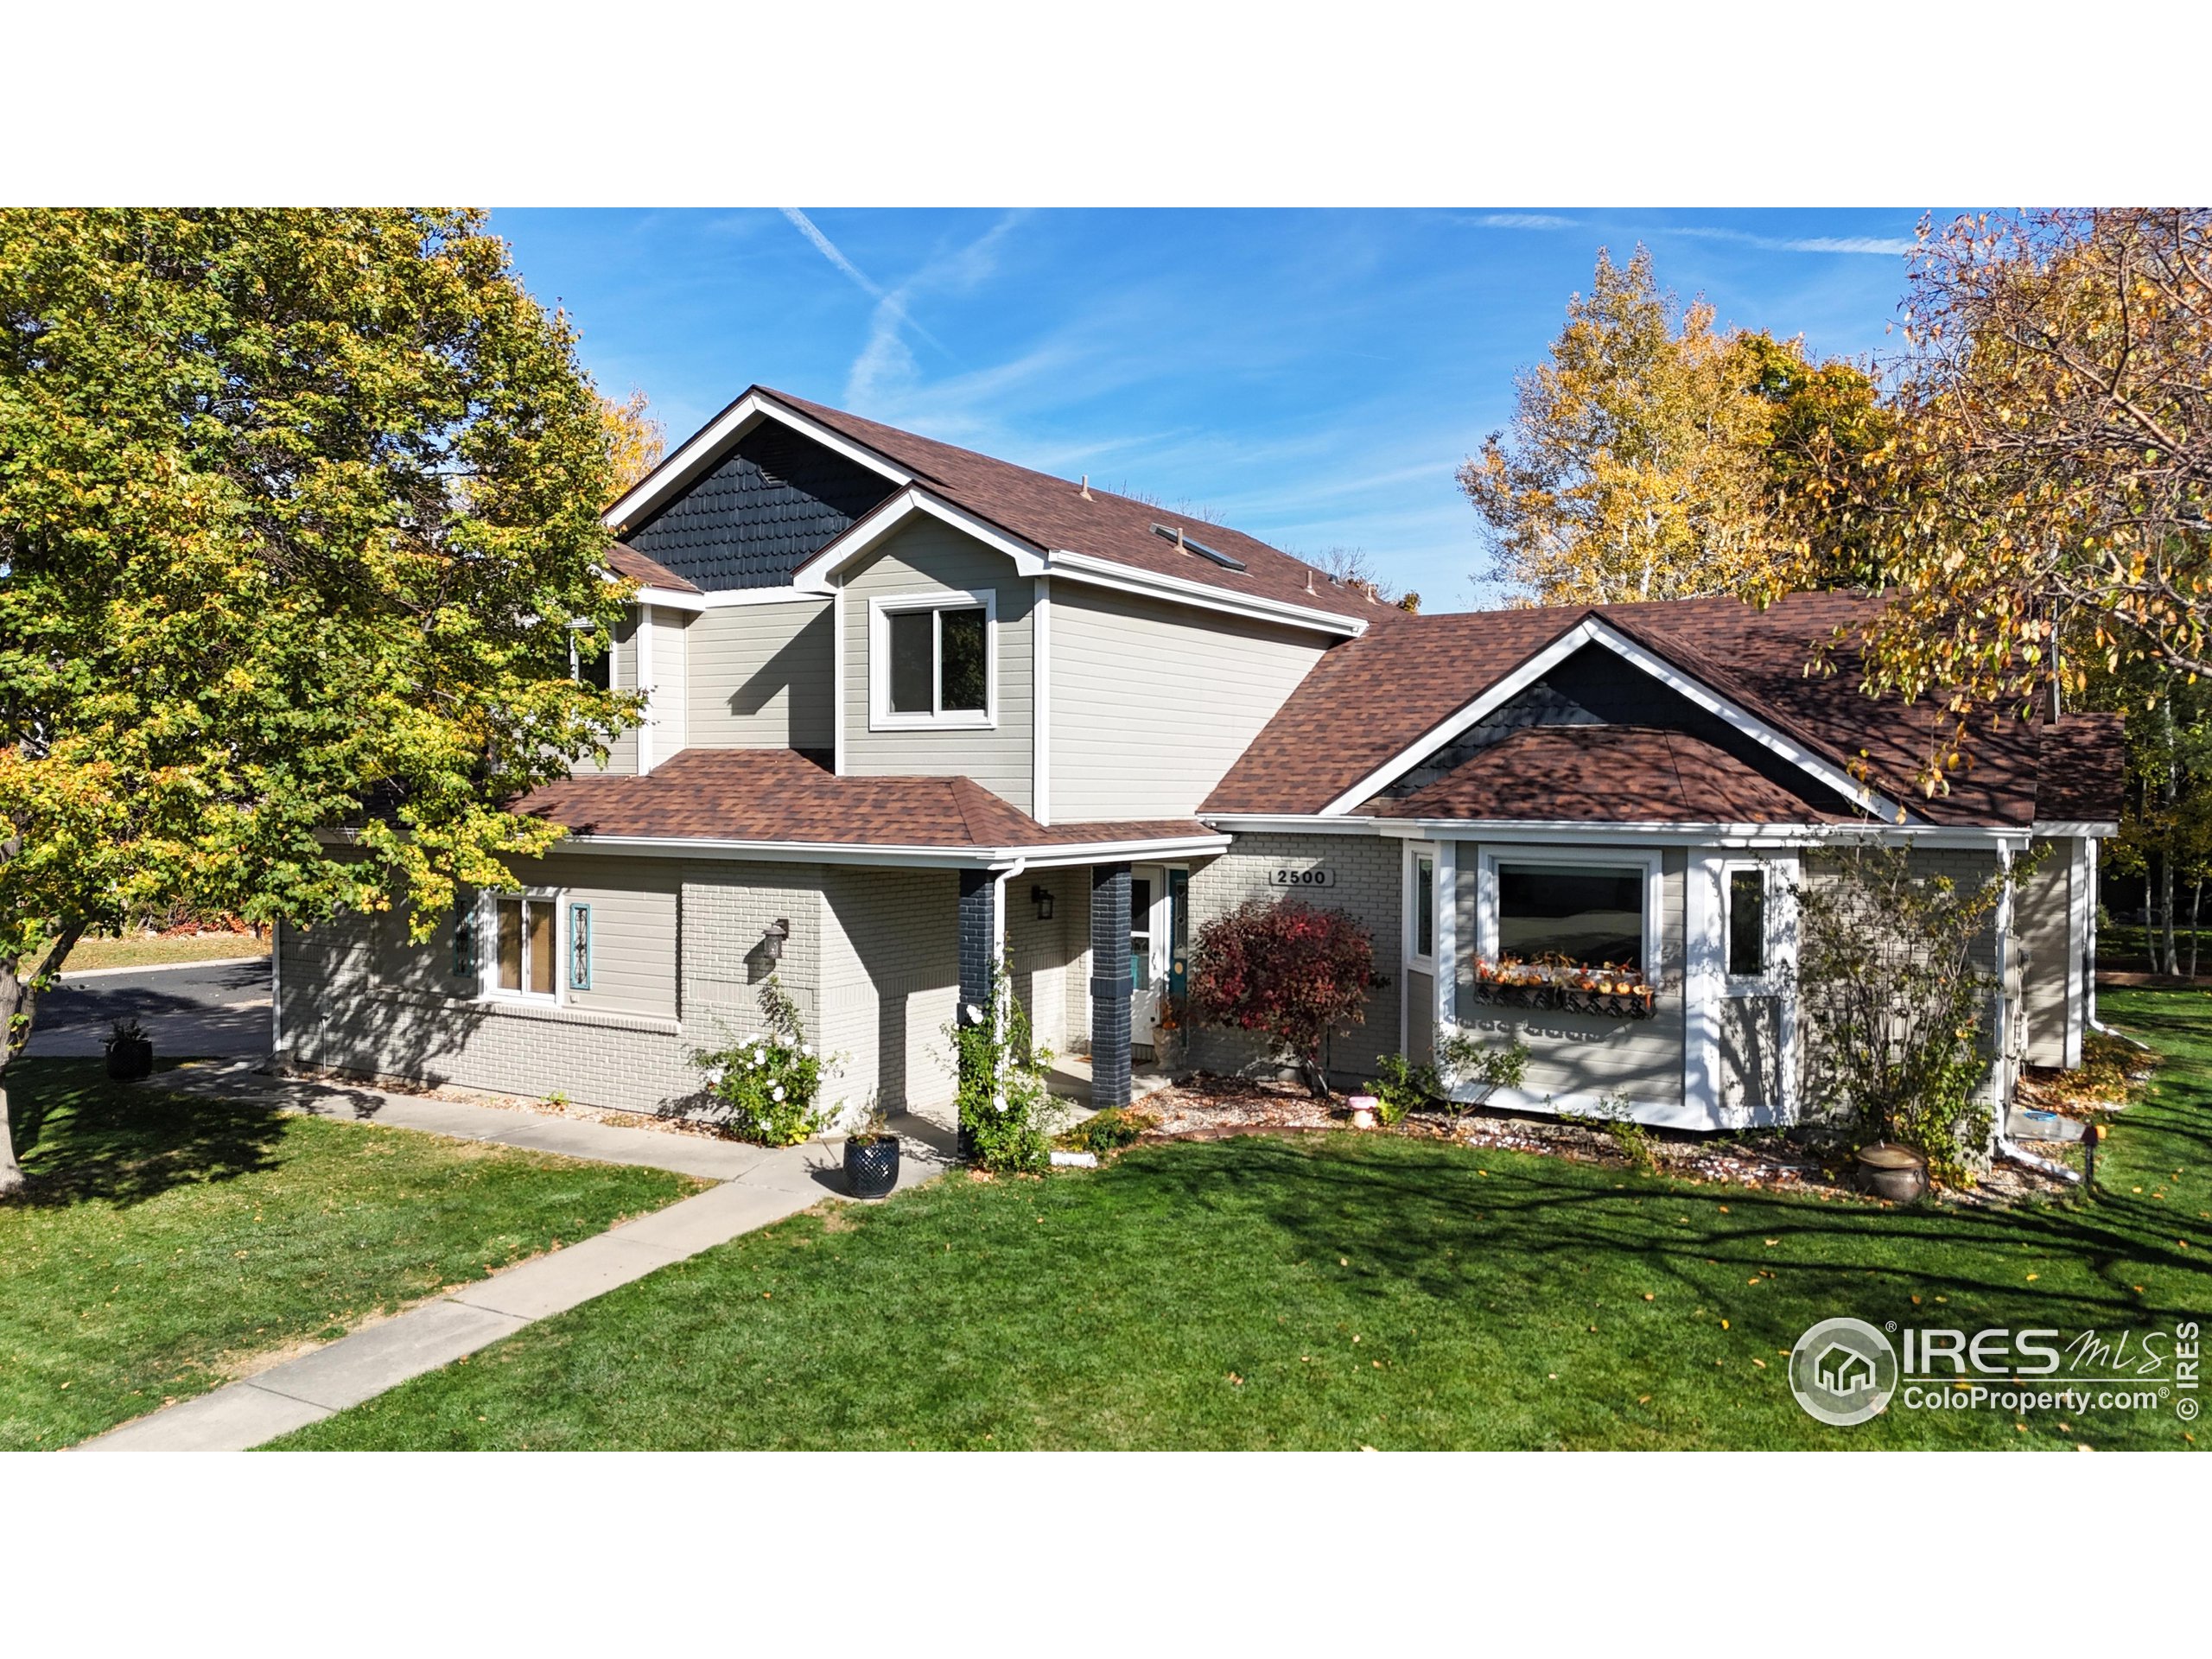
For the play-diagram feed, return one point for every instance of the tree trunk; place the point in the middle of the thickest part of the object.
(2196, 913)
(18, 1007)
(2169, 789)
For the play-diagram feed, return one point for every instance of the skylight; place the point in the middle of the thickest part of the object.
(1198, 547)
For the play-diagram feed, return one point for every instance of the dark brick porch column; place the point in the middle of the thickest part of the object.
(976, 899)
(1110, 985)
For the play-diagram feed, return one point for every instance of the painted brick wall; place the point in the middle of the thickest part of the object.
(1368, 871)
(891, 973)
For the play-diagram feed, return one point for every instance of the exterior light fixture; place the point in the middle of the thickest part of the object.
(772, 938)
(1043, 900)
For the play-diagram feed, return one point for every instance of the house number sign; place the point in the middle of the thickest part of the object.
(1319, 876)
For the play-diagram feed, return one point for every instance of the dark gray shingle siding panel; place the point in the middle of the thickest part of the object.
(775, 501)
(1595, 687)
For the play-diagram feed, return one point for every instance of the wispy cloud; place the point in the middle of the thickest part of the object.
(1882, 244)
(892, 302)
(886, 372)
(1522, 221)
(829, 251)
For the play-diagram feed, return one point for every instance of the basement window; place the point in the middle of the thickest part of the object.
(931, 657)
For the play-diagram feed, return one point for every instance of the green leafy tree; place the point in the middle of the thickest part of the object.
(298, 517)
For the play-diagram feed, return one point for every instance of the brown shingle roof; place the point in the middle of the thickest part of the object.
(778, 795)
(1051, 513)
(1372, 699)
(1607, 774)
(650, 572)
(2084, 770)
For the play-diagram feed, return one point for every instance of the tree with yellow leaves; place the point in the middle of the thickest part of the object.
(635, 439)
(1654, 457)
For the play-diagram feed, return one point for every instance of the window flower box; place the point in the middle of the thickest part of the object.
(1609, 993)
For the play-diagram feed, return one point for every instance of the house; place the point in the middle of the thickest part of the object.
(911, 707)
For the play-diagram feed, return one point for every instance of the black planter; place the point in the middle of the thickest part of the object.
(129, 1058)
(871, 1166)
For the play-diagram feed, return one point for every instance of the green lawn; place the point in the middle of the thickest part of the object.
(1337, 1291)
(156, 951)
(168, 1238)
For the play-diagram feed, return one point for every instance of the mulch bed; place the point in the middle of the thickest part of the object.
(1208, 1108)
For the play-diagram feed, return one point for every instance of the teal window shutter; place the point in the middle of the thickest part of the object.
(579, 947)
(464, 937)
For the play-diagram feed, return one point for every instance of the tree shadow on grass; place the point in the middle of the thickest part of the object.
(81, 1138)
(1422, 1218)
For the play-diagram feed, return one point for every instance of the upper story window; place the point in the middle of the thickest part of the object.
(931, 660)
(591, 656)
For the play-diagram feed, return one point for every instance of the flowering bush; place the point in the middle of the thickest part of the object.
(768, 1083)
(1289, 970)
(1007, 1112)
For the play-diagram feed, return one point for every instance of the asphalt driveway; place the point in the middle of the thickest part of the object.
(192, 1011)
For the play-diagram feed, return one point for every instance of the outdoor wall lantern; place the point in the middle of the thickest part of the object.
(772, 938)
(1043, 900)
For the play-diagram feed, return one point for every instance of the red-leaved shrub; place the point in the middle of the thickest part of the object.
(1285, 969)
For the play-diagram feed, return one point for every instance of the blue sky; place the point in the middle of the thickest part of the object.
(1313, 377)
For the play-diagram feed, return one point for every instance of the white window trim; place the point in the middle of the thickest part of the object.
(880, 609)
(1414, 956)
(488, 988)
(1707, 984)
(1494, 853)
(1770, 983)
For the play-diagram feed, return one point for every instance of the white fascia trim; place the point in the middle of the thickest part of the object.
(1261, 823)
(2062, 828)
(1048, 858)
(831, 852)
(1592, 631)
(814, 576)
(703, 448)
(1123, 578)
(670, 598)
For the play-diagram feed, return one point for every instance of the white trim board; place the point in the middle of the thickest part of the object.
(1594, 631)
(1041, 703)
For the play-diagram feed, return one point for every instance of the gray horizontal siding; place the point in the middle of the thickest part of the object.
(927, 556)
(1152, 702)
(622, 754)
(760, 677)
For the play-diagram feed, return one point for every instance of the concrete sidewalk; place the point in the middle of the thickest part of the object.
(758, 1185)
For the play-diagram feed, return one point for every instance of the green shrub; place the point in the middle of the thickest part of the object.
(1401, 1086)
(1109, 1131)
(768, 1083)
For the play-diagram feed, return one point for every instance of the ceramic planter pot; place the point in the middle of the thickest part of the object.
(129, 1058)
(1362, 1108)
(871, 1166)
(1897, 1173)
